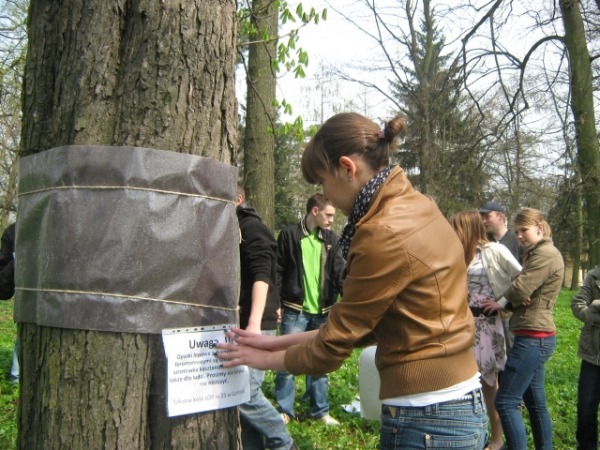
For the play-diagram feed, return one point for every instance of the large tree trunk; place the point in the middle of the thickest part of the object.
(136, 73)
(582, 104)
(578, 246)
(259, 138)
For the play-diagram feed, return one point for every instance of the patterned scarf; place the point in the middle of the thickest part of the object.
(361, 205)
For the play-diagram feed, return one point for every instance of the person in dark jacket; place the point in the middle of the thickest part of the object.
(262, 426)
(7, 263)
(586, 307)
(310, 272)
(7, 283)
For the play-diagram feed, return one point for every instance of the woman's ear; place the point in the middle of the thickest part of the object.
(348, 165)
(540, 228)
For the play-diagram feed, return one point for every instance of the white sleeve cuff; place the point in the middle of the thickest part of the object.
(503, 302)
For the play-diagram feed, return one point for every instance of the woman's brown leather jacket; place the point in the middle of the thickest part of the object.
(406, 290)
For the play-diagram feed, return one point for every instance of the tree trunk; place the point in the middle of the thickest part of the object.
(136, 73)
(582, 104)
(578, 246)
(259, 138)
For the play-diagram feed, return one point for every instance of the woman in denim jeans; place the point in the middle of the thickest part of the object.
(404, 290)
(531, 297)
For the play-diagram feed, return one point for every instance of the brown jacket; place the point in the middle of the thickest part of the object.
(406, 290)
(540, 280)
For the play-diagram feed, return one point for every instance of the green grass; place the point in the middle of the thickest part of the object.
(354, 433)
(9, 392)
(562, 372)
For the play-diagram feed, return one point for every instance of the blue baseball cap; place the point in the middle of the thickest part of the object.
(491, 206)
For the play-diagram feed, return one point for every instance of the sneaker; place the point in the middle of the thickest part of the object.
(286, 419)
(328, 420)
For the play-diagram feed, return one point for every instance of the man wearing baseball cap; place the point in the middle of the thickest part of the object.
(493, 216)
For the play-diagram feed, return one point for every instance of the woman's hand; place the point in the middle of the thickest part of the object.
(238, 353)
(490, 306)
(256, 340)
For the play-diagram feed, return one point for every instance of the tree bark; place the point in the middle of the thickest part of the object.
(582, 105)
(137, 73)
(259, 138)
(577, 246)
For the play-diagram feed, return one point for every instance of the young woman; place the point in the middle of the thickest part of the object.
(491, 267)
(531, 296)
(404, 290)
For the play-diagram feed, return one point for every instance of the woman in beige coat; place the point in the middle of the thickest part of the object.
(531, 297)
(491, 267)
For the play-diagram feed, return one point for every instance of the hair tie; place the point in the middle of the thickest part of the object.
(385, 134)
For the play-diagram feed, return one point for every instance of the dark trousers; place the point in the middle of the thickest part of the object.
(588, 400)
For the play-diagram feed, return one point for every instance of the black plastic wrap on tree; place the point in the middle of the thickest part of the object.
(126, 239)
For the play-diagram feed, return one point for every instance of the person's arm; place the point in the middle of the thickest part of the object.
(239, 355)
(260, 290)
(535, 273)
(281, 255)
(511, 268)
(7, 264)
(257, 253)
(509, 263)
(339, 266)
(259, 351)
(270, 343)
(585, 305)
(7, 281)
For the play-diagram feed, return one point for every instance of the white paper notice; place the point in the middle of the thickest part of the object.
(196, 378)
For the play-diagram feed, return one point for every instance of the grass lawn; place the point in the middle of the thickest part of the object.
(354, 433)
(9, 392)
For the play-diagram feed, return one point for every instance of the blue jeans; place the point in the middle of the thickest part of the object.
(524, 378)
(460, 423)
(285, 383)
(588, 400)
(262, 426)
(14, 370)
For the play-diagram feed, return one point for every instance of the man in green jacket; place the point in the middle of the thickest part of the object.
(310, 268)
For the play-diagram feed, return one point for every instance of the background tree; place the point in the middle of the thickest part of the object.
(544, 42)
(446, 142)
(582, 105)
(504, 48)
(264, 54)
(259, 136)
(13, 38)
(444, 149)
(153, 74)
(291, 191)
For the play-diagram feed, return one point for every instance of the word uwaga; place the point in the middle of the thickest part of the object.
(203, 344)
